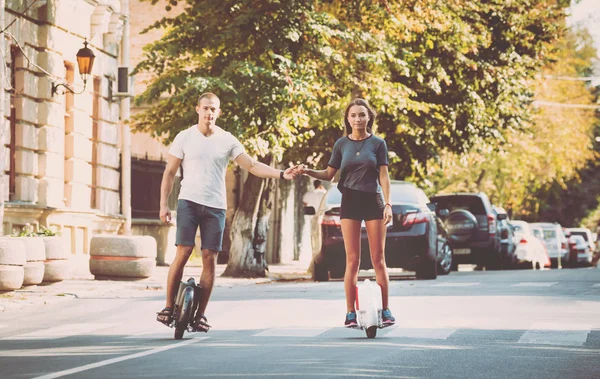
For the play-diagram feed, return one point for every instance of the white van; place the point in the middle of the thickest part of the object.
(555, 241)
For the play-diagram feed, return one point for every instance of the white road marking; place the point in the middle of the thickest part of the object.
(534, 284)
(291, 332)
(119, 359)
(425, 333)
(61, 331)
(468, 284)
(564, 334)
(596, 285)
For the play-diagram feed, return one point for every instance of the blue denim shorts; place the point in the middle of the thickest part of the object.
(211, 221)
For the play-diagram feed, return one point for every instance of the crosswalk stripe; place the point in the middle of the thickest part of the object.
(534, 284)
(61, 331)
(424, 333)
(468, 284)
(556, 334)
(291, 332)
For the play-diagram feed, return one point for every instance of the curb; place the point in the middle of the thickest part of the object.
(87, 286)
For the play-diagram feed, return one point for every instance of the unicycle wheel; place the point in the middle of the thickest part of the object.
(179, 330)
(185, 315)
(371, 331)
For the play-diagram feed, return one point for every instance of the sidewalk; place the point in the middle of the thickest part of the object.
(84, 285)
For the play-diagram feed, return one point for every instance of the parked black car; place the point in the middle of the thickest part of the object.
(412, 240)
(507, 241)
(473, 228)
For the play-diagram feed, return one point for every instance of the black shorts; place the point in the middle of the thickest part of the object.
(360, 205)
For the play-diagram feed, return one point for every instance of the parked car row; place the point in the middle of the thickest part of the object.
(432, 236)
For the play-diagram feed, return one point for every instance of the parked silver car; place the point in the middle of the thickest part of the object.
(579, 251)
(555, 241)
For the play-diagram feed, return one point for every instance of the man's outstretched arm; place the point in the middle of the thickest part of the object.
(262, 170)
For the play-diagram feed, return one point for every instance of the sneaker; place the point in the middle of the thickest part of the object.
(387, 318)
(351, 320)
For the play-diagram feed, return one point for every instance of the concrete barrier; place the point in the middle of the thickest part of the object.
(12, 260)
(56, 265)
(122, 256)
(35, 253)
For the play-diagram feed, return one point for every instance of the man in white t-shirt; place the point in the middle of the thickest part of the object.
(313, 198)
(204, 151)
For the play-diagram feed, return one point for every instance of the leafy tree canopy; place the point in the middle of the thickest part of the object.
(443, 74)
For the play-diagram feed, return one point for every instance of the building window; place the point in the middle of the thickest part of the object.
(11, 149)
(69, 131)
(146, 176)
(96, 116)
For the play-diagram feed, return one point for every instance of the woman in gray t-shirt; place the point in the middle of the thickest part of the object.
(362, 159)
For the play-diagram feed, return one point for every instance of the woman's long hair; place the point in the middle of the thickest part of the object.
(364, 103)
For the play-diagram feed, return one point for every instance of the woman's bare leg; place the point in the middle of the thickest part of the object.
(351, 233)
(376, 231)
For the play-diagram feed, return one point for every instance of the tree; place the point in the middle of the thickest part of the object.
(263, 58)
(442, 74)
(531, 173)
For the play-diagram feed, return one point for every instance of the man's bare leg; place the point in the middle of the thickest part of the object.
(176, 272)
(207, 278)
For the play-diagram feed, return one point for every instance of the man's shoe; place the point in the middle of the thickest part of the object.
(351, 321)
(387, 318)
(200, 323)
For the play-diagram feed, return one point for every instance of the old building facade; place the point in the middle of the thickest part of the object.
(62, 140)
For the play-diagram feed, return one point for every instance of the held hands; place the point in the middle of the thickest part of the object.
(294, 171)
(165, 214)
(290, 173)
(302, 169)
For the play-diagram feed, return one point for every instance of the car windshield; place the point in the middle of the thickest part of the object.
(406, 193)
(401, 193)
(471, 203)
(578, 233)
(549, 234)
(334, 196)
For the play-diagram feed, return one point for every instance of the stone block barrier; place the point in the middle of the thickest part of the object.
(122, 256)
(12, 260)
(56, 266)
(35, 253)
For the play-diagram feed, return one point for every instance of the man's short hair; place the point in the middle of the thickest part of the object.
(317, 183)
(208, 95)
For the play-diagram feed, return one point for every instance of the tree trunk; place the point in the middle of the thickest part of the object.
(261, 231)
(249, 229)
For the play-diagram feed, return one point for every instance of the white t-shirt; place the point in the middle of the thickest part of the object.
(313, 198)
(204, 161)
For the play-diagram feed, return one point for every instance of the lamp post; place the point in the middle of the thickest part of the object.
(85, 61)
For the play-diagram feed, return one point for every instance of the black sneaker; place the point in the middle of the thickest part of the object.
(351, 321)
(387, 318)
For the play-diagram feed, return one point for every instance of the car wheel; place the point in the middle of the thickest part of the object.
(445, 265)
(427, 268)
(320, 272)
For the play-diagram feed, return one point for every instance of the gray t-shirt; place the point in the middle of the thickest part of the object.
(359, 161)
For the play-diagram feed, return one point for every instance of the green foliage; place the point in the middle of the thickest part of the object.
(546, 171)
(443, 75)
(41, 232)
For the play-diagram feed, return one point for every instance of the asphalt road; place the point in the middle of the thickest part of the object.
(506, 324)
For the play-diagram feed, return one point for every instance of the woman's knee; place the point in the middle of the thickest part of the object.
(378, 263)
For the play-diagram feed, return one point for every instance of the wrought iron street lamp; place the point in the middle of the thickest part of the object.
(85, 61)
